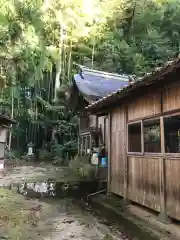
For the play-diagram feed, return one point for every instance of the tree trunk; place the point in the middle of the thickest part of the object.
(12, 115)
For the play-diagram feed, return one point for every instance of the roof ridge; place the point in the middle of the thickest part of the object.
(156, 73)
(108, 75)
(103, 72)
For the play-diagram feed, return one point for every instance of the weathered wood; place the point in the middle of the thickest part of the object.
(117, 153)
(172, 167)
(144, 106)
(143, 181)
(171, 99)
(109, 151)
(142, 137)
(161, 173)
(150, 179)
(125, 154)
(163, 215)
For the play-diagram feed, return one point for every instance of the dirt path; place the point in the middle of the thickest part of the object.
(72, 222)
(45, 219)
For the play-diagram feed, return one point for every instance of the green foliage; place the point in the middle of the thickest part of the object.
(138, 42)
(81, 165)
(45, 156)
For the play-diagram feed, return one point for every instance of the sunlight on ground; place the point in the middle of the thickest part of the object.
(19, 217)
(37, 173)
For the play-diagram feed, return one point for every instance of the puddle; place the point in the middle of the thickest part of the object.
(55, 189)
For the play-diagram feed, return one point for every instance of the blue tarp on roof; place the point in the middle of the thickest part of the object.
(94, 84)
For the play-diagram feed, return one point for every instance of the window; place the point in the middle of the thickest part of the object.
(152, 139)
(134, 137)
(95, 141)
(85, 144)
(172, 134)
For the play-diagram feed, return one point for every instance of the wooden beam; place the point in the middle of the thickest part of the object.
(163, 214)
(142, 137)
(126, 170)
(78, 145)
(162, 135)
(162, 177)
(86, 143)
(109, 150)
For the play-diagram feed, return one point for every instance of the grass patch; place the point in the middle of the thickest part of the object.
(19, 218)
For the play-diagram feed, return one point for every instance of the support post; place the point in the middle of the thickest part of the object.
(86, 145)
(142, 137)
(125, 200)
(125, 154)
(109, 151)
(163, 214)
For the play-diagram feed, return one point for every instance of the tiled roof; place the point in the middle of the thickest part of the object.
(94, 85)
(7, 119)
(148, 79)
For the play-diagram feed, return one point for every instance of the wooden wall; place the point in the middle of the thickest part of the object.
(171, 98)
(83, 122)
(117, 153)
(92, 121)
(144, 181)
(103, 125)
(172, 171)
(144, 106)
(143, 173)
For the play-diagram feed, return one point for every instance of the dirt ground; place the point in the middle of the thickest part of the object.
(18, 174)
(50, 219)
(22, 219)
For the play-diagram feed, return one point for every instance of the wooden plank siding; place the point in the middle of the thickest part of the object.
(144, 106)
(144, 175)
(171, 98)
(117, 153)
(103, 125)
(172, 172)
(144, 181)
(92, 121)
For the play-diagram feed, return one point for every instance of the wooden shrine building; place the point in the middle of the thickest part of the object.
(89, 86)
(144, 140)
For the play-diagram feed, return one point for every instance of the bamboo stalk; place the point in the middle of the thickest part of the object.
(12, 115)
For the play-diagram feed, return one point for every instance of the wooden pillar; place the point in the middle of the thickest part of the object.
(97, 122)
(81, 144)
(104, 132)
(142, 137)
(163, 214)
(109, 150)
(125, 154)
(90, 141)
(86, 144)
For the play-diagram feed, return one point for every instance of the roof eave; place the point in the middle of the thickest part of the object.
(146, 81)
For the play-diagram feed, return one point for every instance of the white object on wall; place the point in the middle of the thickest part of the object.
(3, 134)
(94, 159)
(1, 164)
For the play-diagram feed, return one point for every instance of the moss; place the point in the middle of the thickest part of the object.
(19, 217)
